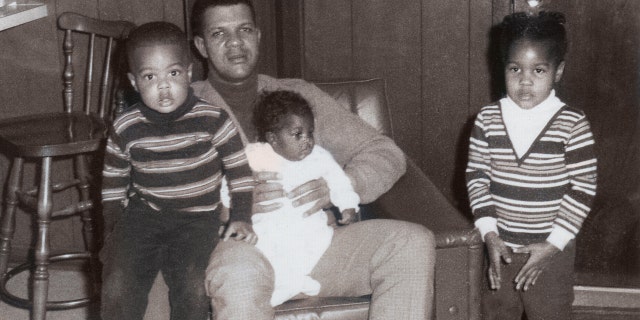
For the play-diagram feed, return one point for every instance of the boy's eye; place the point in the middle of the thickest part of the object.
(539, 70)
(174, 73)
(514, 69)
(148, 77)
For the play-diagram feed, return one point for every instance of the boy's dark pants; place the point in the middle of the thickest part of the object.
(549, 299)
(144, 242)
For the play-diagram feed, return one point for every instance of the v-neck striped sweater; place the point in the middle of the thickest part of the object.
(551, 187)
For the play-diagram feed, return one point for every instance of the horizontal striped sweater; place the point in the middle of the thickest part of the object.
(175, 161)
(549, 189)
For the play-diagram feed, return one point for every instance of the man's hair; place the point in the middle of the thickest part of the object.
(542, 27)
(273, 107)
(201, 6)
(157, 33)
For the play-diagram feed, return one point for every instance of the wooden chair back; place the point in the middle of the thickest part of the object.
(101, 41)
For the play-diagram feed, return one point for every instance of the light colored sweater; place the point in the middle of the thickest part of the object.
(372, 161)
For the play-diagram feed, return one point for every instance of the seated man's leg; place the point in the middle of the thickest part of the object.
(392, 260)
(240, 282)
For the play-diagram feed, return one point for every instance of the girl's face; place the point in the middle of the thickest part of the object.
(294, 141)
(530, 73)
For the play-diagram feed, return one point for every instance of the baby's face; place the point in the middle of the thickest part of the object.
(162, 75)
(295, 140)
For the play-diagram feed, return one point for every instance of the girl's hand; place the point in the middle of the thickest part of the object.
(541, 255)
(498, 252)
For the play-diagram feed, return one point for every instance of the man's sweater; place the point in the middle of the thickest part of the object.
(372, 161)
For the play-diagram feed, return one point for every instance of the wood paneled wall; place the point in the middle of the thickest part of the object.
(436, 58)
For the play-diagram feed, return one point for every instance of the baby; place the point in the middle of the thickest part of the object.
(292, 241)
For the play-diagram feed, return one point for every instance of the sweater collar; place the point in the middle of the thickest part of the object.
(159, 117)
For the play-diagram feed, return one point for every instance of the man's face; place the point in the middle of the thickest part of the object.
(230, 41)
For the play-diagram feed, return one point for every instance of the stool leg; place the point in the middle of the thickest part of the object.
(9, 217)
(42, 252)
(88, 225)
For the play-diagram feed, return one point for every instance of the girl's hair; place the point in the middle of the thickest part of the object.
(543, 26)
(273, 107)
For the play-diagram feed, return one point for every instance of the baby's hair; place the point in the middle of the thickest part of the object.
(201, 6)
(273, 107)
(158, 33)
(541, 27)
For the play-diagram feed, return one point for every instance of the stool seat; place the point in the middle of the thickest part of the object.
(52, 134)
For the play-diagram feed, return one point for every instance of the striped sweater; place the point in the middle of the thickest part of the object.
(176, 161)
(550, 188)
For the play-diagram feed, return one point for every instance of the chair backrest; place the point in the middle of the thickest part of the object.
(366, 98)
(100, 57)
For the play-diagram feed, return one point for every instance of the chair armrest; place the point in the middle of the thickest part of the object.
(416, 199)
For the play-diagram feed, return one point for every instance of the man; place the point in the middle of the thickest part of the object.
(391, 260)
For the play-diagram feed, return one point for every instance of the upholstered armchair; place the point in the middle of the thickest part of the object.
(413, 198)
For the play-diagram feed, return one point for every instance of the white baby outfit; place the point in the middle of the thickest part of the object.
(292, 243)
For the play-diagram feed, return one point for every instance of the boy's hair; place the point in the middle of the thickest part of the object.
(544, 26)
(157, 33)
(273, 107)
(200, 6)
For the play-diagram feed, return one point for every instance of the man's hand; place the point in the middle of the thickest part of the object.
(497, 251)
(265, 190)
(541, 254)
(314, 190)
(348, 216)
(239, 231)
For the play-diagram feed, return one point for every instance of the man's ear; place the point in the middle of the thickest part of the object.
(559, 72)
(271, 138)
(199, 42)
(132, 79)
(190, 71)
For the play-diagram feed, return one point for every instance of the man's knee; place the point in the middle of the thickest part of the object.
(418, 240)
(237, 267)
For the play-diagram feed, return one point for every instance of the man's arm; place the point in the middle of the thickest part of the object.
(372, 161)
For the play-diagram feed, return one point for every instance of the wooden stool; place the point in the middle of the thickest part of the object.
(44, 138)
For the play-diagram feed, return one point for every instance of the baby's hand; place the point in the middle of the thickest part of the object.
(240, 231)
(348, 216)
(541, 255)
(497, 251)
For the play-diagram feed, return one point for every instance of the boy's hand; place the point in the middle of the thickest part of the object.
(240, 231)
(314, 190)
(541, 254)
(265, 190)
(497, 251)
(348, 216)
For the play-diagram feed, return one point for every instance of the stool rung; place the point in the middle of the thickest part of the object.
(55, 187)
(74, 208)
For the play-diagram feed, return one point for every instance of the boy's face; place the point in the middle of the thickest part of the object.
(230, 42)
(162, 75)
(530, 73)
(295, 140)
